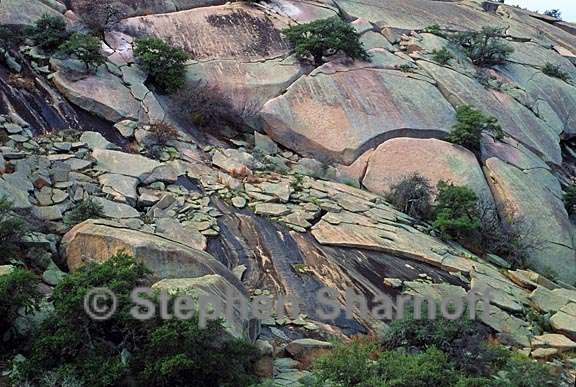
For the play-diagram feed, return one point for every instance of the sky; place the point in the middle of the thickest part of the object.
(567, 7)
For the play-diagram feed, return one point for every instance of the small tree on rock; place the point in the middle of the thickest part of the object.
(412, 195)
(456, 212)
(325, 37)
(163, 63)
(485, 48)
(49, 32)
(85, 48)
(469, 127)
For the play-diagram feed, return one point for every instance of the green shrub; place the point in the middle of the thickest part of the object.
(17, 290)
(49, 32)
(12, 229)
(85, 48)
(412, 195)
(520, 371)
(555, 13)
(86, 209)
(428, 368)
(106, 352)
(485, 48)
(555, 71)
(456, 212)
(163, 63)
(325, 37)
(442, 56)
(347, 364)
(434, 29)
(9, 38)
(570, 199)
(470, 123)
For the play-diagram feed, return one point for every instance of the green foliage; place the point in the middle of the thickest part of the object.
(469, 127)
(85, 48)
(434, 29)
(12, 229)
(556, 71)
(348, 364)
(442, 56)
(555, 13)
(49, 32)
(456, 212)
(412, 195)
(406, 68)
(163, 63)
(570, 199)
(325, 37)
(17, 290)
(429, 353)
(105, 353)
(485, 48)
(180, 353)
(86, 209)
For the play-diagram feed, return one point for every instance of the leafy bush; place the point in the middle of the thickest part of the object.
(85, 48)
(554, 13)
(442, 56)
(570, 199)
(12, 229)
(469, 127)
(429, 353)
(105, 353)
(412, 195)
(485, 48)
(49, 32)
(163, 63)
(456, 212)
(434, 29)
(100, 16)
(17, 290)
(325, 37)
(556, 71)
(86, 209)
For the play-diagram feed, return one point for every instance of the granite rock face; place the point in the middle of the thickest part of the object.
(434, 159)
(320, 110)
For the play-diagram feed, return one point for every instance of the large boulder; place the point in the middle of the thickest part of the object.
(102, 94)
(250, 68)
(437, 160)
(98, 240)
(338, 115)
(408, 15)
(534, 197)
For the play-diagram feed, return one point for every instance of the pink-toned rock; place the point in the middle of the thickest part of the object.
(435, 159)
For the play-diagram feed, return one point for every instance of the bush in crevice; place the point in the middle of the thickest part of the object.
(412, 195)
(163, 63)
(49, 32)
(486, 47)
(208, 107)
(470, 125)
(556, 71)
(434, 29)
(85, 48)
(456, 212)
(9, 38)
(161, 133)
(325, 37)
(442, 56)
(84, 210)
